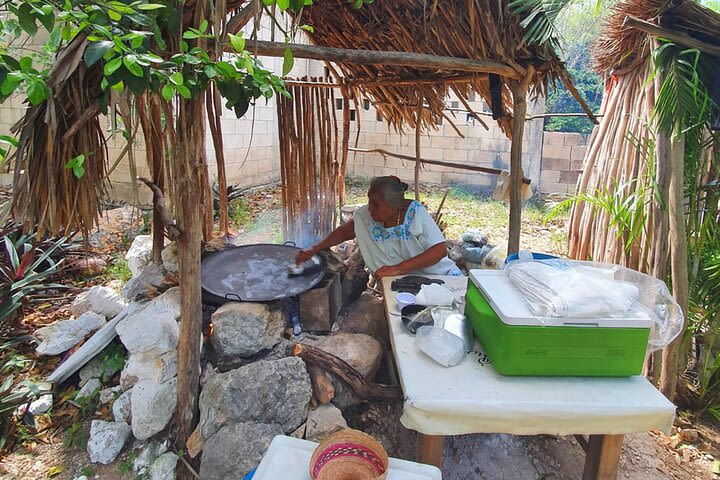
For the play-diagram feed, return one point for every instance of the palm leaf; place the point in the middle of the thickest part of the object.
(538, 19)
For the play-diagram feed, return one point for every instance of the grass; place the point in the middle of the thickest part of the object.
(240, 212)
(118, 269)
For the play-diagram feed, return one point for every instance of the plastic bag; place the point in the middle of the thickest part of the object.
(440, 345)
(557, 288)
(434, 294)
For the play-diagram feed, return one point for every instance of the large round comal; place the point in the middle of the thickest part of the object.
(255, 273)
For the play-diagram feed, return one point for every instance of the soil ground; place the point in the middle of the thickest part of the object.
(257, 218)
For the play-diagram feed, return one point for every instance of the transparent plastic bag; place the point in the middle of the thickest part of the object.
(556, 288)
(440, 345)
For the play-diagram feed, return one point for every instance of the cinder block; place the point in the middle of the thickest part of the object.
(575, 139)
(559, 164)
(429, 177)
(569, 177)
(460, 178)
(576, 165)
(549, 176)
(455, 155)
(556, 151)
(578, 153)
(554, 138)
(319, 306)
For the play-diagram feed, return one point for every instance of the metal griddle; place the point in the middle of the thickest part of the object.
(255, 273)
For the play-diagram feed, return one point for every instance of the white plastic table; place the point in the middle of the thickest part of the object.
(288, 458)
(472, 397)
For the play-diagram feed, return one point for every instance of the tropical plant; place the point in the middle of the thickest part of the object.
(26, 268)
(12, 396)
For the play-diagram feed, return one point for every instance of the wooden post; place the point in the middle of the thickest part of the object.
(388, 58)
(659, 249)
(430, 449)
(602, 458)
(679, 260)
(519, 91)
(418, 163)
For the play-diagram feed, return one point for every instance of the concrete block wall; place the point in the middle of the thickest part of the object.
(562, 157)
(480, 147)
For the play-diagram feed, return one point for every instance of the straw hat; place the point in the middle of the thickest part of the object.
(349, 455)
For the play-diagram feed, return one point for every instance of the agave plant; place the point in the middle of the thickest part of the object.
(26, 267)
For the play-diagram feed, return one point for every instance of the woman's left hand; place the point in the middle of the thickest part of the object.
(389, 271)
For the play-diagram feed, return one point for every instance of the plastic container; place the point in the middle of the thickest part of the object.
(535, 256)
(519, 344)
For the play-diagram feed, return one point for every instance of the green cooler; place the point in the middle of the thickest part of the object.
(519, 344)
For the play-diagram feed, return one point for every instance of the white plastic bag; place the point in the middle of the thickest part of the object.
(434, 294)
(440, 345)
(558, 288)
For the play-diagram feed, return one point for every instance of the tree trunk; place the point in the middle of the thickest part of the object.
(660, 222)
(516, 172)
(679, 261)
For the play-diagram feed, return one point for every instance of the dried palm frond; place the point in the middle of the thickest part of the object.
(47, 193)
(473, 29)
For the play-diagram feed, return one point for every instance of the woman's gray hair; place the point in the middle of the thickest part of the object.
(391, 188)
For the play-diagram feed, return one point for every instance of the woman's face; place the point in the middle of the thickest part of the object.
(380, 211)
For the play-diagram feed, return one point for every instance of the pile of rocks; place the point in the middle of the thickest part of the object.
(252, 387)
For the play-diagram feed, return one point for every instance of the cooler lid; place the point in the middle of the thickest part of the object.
(507, 301)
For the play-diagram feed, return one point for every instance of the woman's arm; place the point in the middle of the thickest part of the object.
(343, 233)
(429, 257)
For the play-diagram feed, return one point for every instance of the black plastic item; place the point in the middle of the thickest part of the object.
(416, 316)
(412, 283)
(496, 100)
(255, 273)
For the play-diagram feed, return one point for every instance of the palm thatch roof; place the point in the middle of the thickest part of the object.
(621, 47)
(474, 29)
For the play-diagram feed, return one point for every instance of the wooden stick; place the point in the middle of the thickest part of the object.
(351, 377)
(518, 128)
(459, 166)
(418, 163)
(386, 58)
(469, 108)
(672, 35)
(240, 19)
(160, 206)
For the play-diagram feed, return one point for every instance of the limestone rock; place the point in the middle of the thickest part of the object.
(95, 369)
(101, 300)
(89, 389)
(110, 394)
(323, 422)
(61, 336)
(137, 287)
(242, 329)
(366, 315)
(147, 456)
(170, 258)
(141, 367)
(360, 351)
(115, 225)
(236, 449)
(121, 408)
(164, 467)
(81, 477)
(152, 407)
(106, 441)
(275, 391)
(139, 254)
(149, 334)
(42, 405)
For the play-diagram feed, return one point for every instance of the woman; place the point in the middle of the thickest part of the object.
(396, 235)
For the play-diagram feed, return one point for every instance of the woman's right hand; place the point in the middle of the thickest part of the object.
(303, 256)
